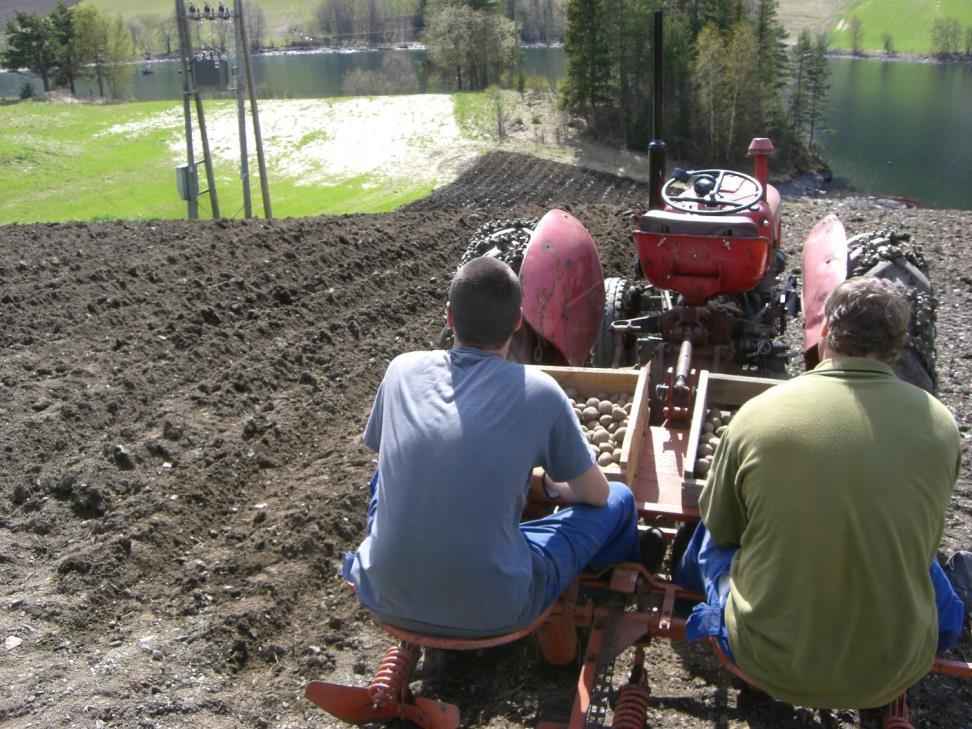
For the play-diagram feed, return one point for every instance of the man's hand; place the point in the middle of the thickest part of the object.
(591, 487)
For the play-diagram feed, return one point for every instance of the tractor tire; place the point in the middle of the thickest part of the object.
(895, 257)
(503, 239)
(602, 353)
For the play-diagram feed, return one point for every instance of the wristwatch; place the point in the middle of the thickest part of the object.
(552, 495)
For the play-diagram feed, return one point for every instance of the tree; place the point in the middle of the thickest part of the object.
(30, 45)
(741, 80)
(106, 44)
(90, 26)
(709, 69)
(801, 59)
(586, 89)
(968, 41)
(818, 88)
(856, 35)
(888, 45)
(946, 33)
(256, 26)
(475, 47)
(335, 20)
(67, 53)
(120, 51)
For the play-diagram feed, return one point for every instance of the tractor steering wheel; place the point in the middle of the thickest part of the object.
(707, 186)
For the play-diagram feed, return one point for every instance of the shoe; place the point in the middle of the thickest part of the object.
(680, 543)
(652, 545)
(958, 570)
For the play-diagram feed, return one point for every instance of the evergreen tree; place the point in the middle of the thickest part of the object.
(65, 39)
(802, 59)
(30, 45)
(587, 87)
(818, 88)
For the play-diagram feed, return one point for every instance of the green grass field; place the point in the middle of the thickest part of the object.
(63, 161)
(283, 17)
(909, 22)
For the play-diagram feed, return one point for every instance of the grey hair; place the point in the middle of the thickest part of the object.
(868, 317)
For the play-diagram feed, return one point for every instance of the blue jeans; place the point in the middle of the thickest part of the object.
(576, 537)
(704, 563)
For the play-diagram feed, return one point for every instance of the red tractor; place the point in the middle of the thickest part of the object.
(709, 303)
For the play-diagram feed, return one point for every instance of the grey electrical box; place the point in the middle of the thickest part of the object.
(187, 181)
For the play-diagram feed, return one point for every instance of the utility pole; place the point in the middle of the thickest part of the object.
(188, 185)
(254, 113)
(188, 178)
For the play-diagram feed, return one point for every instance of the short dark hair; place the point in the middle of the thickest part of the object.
(868, 317)
(485, 300)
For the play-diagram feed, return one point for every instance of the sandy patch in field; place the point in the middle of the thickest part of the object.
(325, 140)
(156, 122)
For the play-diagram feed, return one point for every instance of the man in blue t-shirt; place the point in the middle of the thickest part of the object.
(458, 433)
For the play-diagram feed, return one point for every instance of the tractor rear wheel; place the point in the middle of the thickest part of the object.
(895, 257)
(602, 353)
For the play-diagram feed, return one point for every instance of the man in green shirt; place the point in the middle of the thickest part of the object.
(821, 514)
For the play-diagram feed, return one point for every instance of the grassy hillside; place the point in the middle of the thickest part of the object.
(908, 21)
(815, 16)
(285, 19)
(70, 161)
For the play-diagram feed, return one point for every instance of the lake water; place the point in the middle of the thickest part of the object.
(898, 128)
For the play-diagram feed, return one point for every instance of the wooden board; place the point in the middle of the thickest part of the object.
(715, 390)
(592, 380)
(658, 484)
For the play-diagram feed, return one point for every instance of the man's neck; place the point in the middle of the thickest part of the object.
(501, 352)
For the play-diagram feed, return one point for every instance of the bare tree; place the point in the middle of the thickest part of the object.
(256, 26)
(856, 35)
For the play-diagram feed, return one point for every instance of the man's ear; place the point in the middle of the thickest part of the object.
(449, 315)
(519, 321)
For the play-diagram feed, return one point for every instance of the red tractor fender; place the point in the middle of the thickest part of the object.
(563, 285)
(824, 268)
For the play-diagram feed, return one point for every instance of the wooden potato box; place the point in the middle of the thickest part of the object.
(722, 392)
(592, 382)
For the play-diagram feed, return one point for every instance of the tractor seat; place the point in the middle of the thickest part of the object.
(664, 222)
(462, 644)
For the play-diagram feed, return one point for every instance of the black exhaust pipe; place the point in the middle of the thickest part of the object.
(657, 147)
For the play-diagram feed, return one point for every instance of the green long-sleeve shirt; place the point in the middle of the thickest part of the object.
(834, 485)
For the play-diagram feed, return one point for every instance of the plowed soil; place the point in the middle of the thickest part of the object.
(180, 414)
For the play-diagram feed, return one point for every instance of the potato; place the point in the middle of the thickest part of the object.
(593, 401)
(606, 419)
(620, 433)
(707, 427)
(702, 466)
(605, 407)
(589, 413)
(605, 459)
(616, 455)
(606, 447)
(721, 430)
(627, 408)
(600, 436)
(706, 450)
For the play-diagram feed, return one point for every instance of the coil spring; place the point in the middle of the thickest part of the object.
(393, 674)
(632, 707)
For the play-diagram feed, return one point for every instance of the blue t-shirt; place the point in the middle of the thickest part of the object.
(458, 433)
